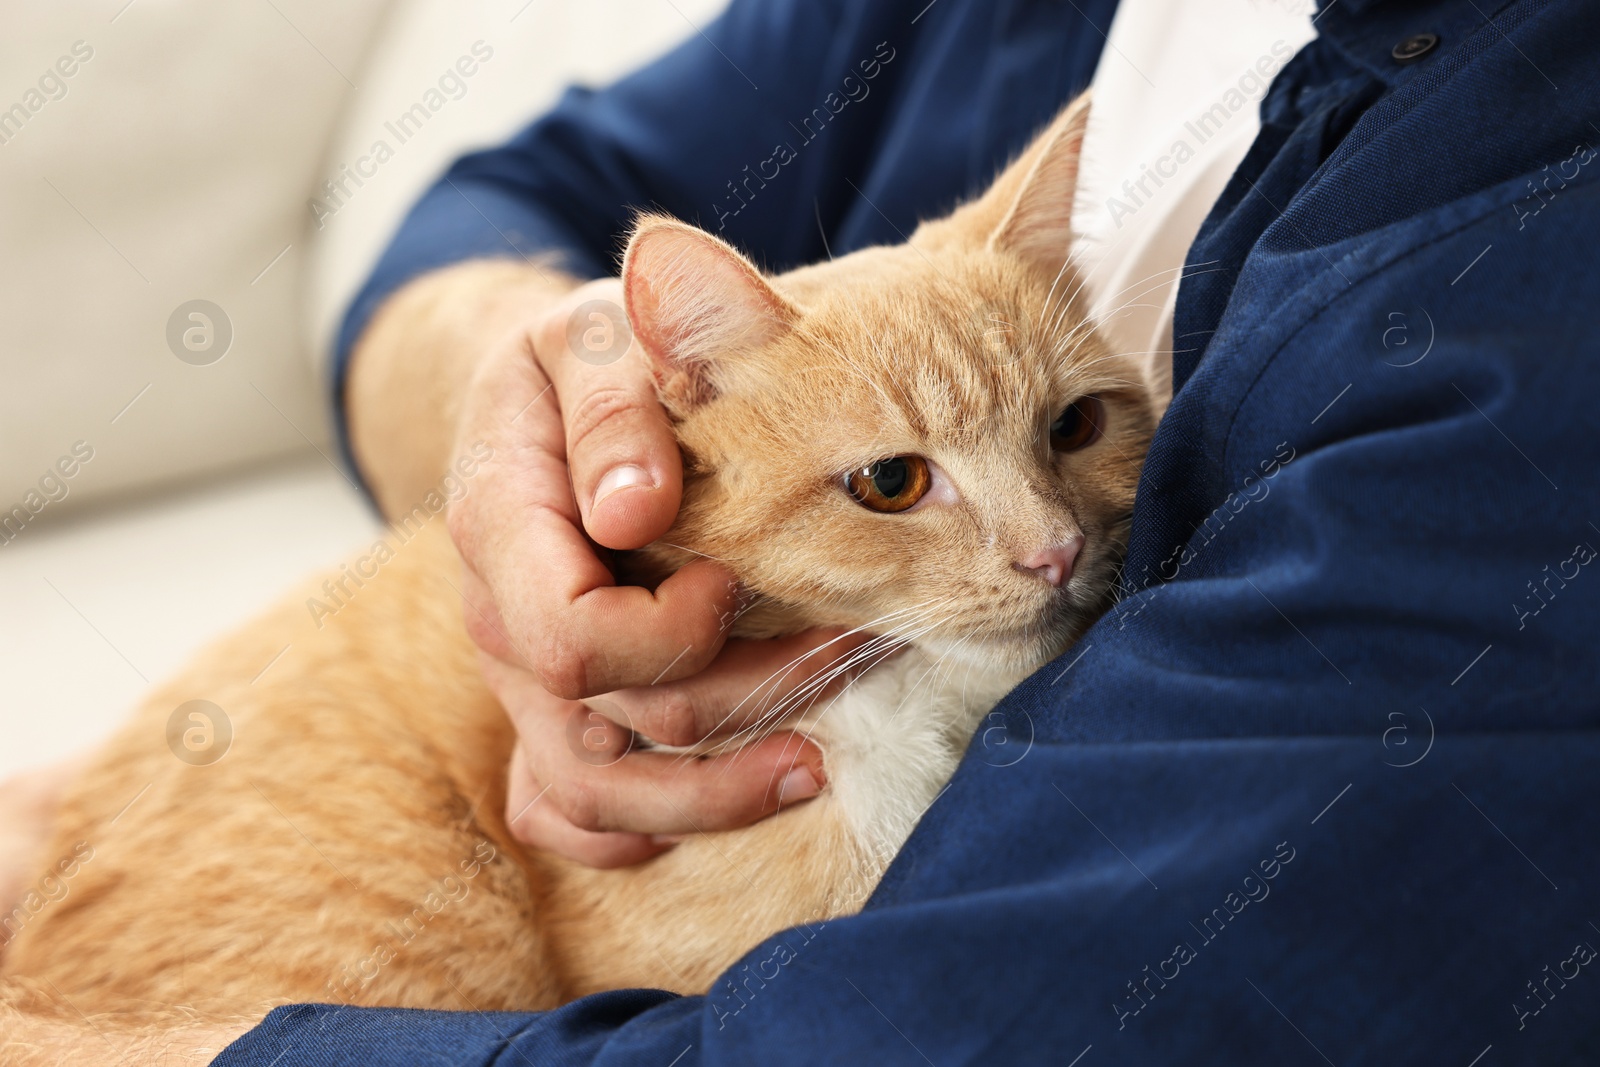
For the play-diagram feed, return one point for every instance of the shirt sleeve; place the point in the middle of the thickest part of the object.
(608, 1028)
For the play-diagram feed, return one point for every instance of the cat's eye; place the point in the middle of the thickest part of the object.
(890, 485)
(1079, 426)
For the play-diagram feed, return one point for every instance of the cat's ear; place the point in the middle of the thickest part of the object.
(1038, 192)
(1027, 212)
(694, 304)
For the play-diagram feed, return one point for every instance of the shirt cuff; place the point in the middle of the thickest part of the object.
(608, 1028)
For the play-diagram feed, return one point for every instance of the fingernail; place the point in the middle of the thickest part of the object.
(798, 784)
(665, 839)
(624, 477)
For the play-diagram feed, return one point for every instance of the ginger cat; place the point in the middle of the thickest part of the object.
(927, 442)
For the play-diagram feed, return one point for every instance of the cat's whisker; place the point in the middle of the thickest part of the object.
(939, 663)
(1100, 314)
(776, 677)
(1084, 371)
(1130, 306)
(695, 552)
(1074, 261)
(1070, 263)
(1078, 369)
(1152, 281)
(1153, 275)
(863, 628)
(908, 634)
(1065, 309)
(1104, 312)
(823, 714)
(1066, 356)
(1134, 352)
(1061, 340)
(769, 728)
(1085, 323)
(769, 725)
(809, 691)
(877, 650)
(1084, 277)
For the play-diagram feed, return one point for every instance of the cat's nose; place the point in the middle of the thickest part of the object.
(1053, 563)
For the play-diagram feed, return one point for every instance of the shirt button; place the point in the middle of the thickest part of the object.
(1414, 47)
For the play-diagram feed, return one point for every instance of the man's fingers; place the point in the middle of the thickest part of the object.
(627, 474)
(546, 828)
(613, 637)
(560, 610)
(748, 682)
(536, 823)
(568, 415)
(600, 780)
(520, 530)
(667, 793)
(482, 617)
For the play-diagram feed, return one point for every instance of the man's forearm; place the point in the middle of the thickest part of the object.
(408, 372)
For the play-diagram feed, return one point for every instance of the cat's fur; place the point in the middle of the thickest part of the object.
(352, 847)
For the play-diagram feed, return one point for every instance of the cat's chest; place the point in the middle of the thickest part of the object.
(893, 738)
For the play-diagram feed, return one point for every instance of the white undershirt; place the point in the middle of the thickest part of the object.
(1175, 110)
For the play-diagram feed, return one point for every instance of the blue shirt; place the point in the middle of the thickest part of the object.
(1325, 785)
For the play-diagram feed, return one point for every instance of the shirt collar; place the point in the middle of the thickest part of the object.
(1368, 32)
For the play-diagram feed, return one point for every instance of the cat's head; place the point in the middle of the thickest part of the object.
(927, 440)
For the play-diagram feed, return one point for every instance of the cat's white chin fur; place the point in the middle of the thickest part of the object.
(894, 737)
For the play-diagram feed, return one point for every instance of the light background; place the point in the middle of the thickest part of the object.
(179, 165)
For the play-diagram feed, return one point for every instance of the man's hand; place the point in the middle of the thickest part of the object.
(581, 444)
(542, 372)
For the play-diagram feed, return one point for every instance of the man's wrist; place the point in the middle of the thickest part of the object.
(408, 372)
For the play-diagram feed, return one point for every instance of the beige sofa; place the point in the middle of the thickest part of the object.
(174, 266)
